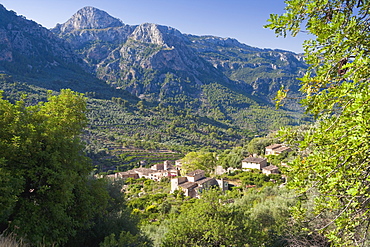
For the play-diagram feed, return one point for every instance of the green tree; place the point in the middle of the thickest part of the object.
(335, 157)
(198, 160)
(206, 223)
(46, 193)
(232, 158)
(114, 216)
(257, 145)
(126, 239)
(258, 218)
(140, 105)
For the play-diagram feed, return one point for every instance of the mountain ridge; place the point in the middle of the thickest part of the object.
(144, 57)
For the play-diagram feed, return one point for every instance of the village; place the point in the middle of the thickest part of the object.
(194, 182)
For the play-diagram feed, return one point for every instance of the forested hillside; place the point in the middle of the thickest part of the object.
(260, 72)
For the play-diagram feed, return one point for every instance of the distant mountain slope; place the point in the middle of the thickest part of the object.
(31, 47)
(33, 53)
(149, 86)
(159, 63)
(260, 72)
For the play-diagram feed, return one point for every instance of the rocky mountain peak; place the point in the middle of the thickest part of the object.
(89, 18)
(157, 34)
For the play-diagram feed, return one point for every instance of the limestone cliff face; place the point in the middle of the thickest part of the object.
(157, 62)
(152, 46)
(91, 25)
(6, 53)
(89, 18)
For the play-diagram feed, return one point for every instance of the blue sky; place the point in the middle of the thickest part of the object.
(240, 19)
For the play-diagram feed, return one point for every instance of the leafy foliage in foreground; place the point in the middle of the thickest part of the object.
(214, 220)
(46, 195)
(39, 183)
(335, 156)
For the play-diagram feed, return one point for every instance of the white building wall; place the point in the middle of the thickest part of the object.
(247, 165)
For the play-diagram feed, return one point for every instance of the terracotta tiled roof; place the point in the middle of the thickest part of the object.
(273, 146)
(270, 168)
(145, 171)
(127, 173)
(250, 186)
(188, 185)
(169, 167)
(204, 180)
(253, 160)
(282, 149)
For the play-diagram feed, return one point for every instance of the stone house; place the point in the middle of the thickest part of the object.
(276, 149)
(189, 189)
(143, 172)
(157, 167)
(219, 170)
(175, 182)
(253, 163)
(195, 175)
(271, 169)
(178, 164)
(205, 184)
(124, 175)
(166, 169)
(195, 182)
(128, 174)
(155, 172)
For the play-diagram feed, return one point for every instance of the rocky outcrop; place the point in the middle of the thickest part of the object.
(157, 34)
(93, 28)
